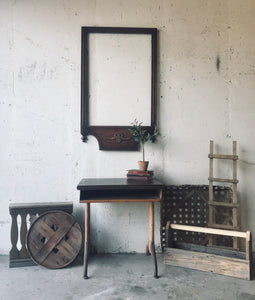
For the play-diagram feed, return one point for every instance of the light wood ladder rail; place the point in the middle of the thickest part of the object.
(212, 204)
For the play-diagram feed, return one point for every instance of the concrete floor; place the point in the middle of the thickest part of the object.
(118, 277)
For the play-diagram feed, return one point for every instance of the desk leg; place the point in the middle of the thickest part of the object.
(86, 240)
(151, 245)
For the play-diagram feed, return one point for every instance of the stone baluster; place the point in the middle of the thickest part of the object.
(14, 252)
(23, 235)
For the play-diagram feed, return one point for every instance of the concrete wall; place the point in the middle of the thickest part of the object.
(206, 91)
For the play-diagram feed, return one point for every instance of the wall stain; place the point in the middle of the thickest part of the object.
(218, 63)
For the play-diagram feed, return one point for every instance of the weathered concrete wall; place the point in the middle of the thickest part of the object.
(206, 91)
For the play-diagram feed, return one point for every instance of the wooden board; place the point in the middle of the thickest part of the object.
(54, 239)
(211, 250)
(215, 260)
(209, 230)
(208, 262)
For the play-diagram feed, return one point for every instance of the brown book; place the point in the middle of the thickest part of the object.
(140, 178)
(139, 172)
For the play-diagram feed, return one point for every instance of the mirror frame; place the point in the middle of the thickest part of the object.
(114, 137)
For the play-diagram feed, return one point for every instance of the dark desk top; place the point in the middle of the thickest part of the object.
(117, 183)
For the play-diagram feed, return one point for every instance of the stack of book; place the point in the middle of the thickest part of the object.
(139, 175)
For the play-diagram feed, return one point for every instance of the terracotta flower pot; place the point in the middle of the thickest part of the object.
(143, 165)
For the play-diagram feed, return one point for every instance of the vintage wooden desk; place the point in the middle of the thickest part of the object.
(120, 190)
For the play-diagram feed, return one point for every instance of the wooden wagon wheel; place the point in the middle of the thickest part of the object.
(54, 239)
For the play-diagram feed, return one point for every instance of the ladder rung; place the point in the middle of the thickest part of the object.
(223, 204)
(223, 156)
(223, 180)
(223, 226)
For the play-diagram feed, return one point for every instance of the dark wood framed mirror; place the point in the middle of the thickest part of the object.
(118, 84)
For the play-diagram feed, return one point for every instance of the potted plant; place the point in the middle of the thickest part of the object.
(141, 135)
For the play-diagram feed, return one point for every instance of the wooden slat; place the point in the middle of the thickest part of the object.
(223, 226)
(229, 252)
(248, 245)
(65, 249)
(223, 156)
(223, 204)
(54, 240)
(45, 231)
(213, 179)
(209, 230)
(249, 255)
(208, 262)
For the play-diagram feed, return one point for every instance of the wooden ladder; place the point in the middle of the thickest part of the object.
(212, 204)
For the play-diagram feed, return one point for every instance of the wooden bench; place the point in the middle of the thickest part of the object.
(216, 260)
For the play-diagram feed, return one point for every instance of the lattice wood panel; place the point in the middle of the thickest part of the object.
(188, 205)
